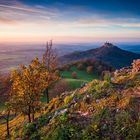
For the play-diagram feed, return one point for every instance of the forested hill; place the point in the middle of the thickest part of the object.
(107, 53)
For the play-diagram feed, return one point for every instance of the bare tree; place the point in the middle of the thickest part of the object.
(50, 60)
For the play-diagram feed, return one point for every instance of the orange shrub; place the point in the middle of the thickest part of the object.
(80, 66)
(89, 69)
(74, 75)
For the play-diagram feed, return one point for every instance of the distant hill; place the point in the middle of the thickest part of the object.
(107, 53)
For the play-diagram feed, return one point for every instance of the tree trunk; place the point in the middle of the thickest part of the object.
(29, 114)
(7, 125)
(29, 118)
(33, 116)
(47, 95)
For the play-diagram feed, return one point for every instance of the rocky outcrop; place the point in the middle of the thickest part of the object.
(136, 65)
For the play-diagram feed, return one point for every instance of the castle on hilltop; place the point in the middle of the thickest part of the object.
(107, 44)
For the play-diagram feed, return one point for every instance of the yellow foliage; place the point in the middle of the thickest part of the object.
(29, 82)
(68, 99)
(124, 102)
(15, 123)
(83, 107)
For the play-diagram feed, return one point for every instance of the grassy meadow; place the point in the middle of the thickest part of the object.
(82, 77)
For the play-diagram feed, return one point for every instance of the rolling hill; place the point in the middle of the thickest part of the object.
(108, 53)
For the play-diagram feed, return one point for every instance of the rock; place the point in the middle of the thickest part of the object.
(87, 98)
(136, 66)
(75, 99)
(83, 85)
(117, 110)
(59, 112)
(97, 101)
(63, 111)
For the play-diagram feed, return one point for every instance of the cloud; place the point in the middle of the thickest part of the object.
(25, 21)
(103, 22)
(17, 12)
(14, 11)
(7, 21)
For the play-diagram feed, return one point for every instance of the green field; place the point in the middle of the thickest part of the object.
(83, 77)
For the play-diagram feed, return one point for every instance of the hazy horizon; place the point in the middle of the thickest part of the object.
(12, 55)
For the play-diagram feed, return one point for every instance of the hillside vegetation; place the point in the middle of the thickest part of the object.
(85, 71)
(106, 109)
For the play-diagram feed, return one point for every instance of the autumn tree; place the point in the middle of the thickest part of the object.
(50, 61)
(5, 88)
(66, 67)
(90, 69)
(57, 73)
(5, 114)
(29, 82)
(106, 76)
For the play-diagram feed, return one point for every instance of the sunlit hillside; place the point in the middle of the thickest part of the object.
(102, 109)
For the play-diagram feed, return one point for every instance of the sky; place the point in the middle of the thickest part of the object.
(69, 20)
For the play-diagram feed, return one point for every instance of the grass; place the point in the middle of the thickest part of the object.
(17, 122)
(83, 77)
(75, 83)
(2, 107)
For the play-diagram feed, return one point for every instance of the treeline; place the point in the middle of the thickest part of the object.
(89, 65)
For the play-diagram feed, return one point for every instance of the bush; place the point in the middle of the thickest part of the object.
(74, 75)
(100, 69)
(29, 128)
(64, 131)
(57, 73)
(43, 120)
(80, 66)
(90, 69)
(30, 132)
(60, 133)
(35, 136)
(100, 89)
(91, 132)
(60, 87)
(66, 67)
(68, 99)
(107, 76)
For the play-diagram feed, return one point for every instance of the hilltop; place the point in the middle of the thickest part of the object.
(107, 53)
